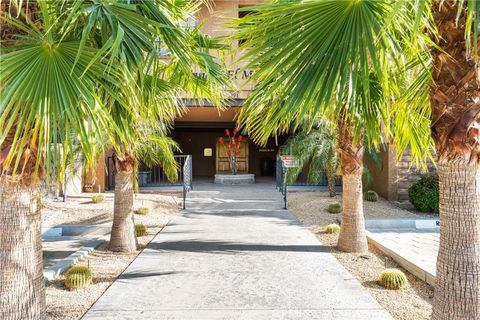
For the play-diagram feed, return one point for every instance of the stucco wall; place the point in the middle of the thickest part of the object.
(94, 180)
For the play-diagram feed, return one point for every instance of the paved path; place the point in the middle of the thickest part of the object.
(415, 250)
(235, 254)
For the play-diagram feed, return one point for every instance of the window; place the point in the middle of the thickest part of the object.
(242, 14)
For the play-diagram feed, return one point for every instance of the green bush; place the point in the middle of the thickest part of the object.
(393, 279)
(78, 277)
(424, 194)
(371, 195)
(334, 207)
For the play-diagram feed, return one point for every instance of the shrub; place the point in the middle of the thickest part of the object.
(393, 279)
(78, 277)
(143, 211)
(332, 228)
(424, 195)
(98, 198)
(140, 230)
(334, 207)
(371, 195)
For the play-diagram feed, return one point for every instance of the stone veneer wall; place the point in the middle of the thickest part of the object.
(407, 176)
(396, 176)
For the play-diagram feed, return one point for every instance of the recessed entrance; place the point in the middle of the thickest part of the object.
(209, 157)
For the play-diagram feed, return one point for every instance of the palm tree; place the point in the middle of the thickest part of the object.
(312, 54)
(45, 95)
(343, 70)
(454, 98)
(81, 67)
(152, 147)
(151, 86)
(315, 147)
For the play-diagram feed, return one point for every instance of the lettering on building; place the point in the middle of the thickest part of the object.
(233, 73)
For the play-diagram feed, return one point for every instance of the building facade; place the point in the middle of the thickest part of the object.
(199, 129)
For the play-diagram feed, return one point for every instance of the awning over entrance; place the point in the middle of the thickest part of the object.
(209, 115)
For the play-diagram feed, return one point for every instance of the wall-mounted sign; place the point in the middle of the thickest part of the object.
(289, 161)
(207, 152)
(266, 150)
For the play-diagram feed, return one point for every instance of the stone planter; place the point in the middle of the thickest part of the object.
(238, 179)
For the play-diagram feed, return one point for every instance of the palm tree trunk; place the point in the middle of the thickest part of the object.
(122, 238)
(456, 133)
(330, 172)
(457, 289)
(352, 236)
(22, 288)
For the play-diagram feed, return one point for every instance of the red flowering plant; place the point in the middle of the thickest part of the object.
(232, 148)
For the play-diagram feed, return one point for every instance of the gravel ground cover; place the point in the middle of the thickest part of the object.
(106, 266)
(411, 303)
(80, 209)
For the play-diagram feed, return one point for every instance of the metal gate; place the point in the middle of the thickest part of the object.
(150, 177)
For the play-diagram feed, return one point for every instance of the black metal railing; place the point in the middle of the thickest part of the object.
(282, 184)
(150, 176)
(187, 178)
(302, 178)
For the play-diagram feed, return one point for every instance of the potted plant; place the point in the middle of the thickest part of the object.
(232, 148)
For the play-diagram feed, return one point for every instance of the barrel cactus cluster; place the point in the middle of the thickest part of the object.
(332, 228)
(371, 195)
(393, 279)
(78, 277)
(334, 207)
(140, 230)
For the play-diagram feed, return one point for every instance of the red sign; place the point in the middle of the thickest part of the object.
(289, 161)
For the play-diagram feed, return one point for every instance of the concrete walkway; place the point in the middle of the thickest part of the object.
(235, 254)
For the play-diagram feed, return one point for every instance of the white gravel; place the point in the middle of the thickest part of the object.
(411, 303)
(80, 209)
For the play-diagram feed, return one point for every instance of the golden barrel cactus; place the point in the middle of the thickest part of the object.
(143, 211)
(332, 228)
(334, 207)
(140, 230)
(98, 198)
(393, 279)
(78, 277)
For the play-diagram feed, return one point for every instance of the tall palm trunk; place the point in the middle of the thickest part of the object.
(352, 236)
(22, 288)
(457, 287)
(456, 132)
(331, 184)
(122, 238)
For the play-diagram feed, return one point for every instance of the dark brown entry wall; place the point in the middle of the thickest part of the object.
(193, 138)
